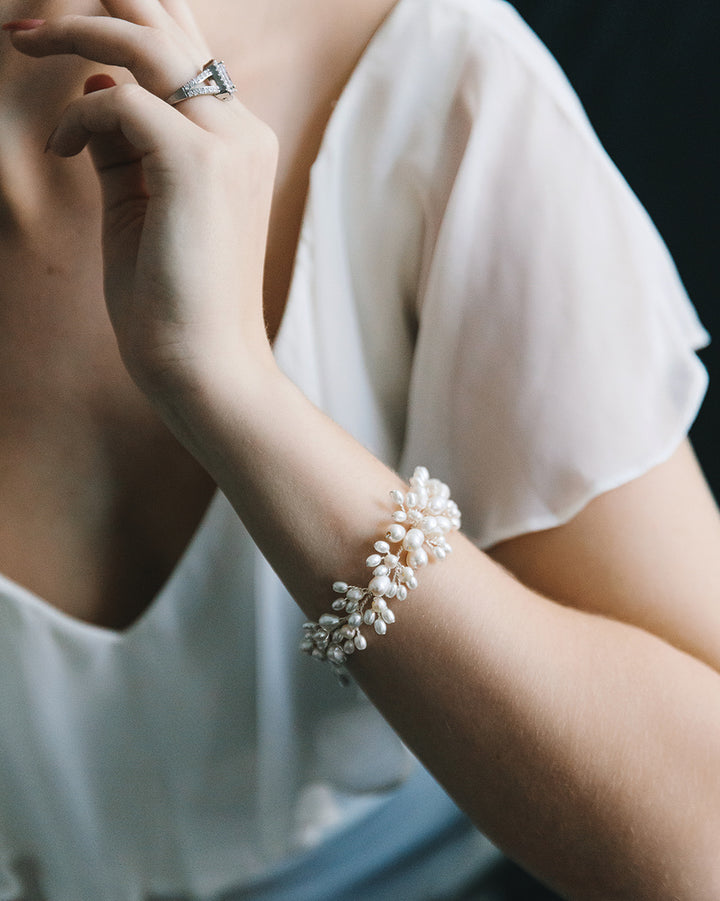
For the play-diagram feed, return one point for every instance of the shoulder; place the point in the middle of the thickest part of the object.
(439, 69)
(457, 34)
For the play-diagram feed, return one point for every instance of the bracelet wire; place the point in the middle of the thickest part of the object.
(424, 516)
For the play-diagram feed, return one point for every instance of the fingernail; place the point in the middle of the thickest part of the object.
(23, 25)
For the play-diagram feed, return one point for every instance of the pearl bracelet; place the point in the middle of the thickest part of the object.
(425, 515)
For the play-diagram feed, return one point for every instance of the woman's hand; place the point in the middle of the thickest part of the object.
(186, 194)
(599, 737)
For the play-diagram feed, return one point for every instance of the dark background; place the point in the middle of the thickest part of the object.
(648, 74)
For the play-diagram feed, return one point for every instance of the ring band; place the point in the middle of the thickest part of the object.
(222, 86)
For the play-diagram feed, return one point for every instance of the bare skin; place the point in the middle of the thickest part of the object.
(578, 704)
(117, 491)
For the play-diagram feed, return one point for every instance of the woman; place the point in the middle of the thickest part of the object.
(474, 289)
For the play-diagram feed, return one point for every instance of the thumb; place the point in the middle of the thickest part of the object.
(115, 159)
(108, 149)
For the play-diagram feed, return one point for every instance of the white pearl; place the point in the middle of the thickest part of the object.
(360, 642)
(421, 474)
(380, 626)
(381, 570)
(327, 620)
(414, 539)
(373, 560)
(443, 524)
(396, 496)
(354, 620)
(369, 617)
(437, 505)
(338, 604)
(412, 584)
(379, 604)
(379, 585)
(336, 655)
(390, 560)
(418, 558)
(401, 594)
(349, 647)
(438, 488)
(388, 616)
(392, 590)
(382, 547)
(355, 594)
(351, 606)
(399, 516)
(429, 525)
(411, 499)
(307, 645)
(440, 553)
(395, 533)
(340, 587)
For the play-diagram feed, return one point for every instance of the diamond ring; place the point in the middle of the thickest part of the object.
(221, 85)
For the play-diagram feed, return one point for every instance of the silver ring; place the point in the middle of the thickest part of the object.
(222, 86)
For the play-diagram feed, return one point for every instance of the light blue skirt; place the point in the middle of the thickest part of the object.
(416, 847)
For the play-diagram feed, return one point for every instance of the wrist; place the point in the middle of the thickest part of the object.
(204, 405)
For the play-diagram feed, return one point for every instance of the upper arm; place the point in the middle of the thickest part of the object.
(646, 553)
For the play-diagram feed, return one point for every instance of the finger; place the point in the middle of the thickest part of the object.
(160, 14)
(98, 83)
(181, 13)
(109, 149)
(146, 124)
(141, 12)
(159, 61)
(156, 59)
(118, 163)
(156, 13)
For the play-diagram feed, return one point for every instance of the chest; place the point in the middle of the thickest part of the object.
(99, 500)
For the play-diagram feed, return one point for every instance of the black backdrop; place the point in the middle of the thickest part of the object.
(648, 74)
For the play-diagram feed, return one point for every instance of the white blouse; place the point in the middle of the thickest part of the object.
(477, 290)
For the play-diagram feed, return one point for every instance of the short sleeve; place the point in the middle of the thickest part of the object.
(555, 356)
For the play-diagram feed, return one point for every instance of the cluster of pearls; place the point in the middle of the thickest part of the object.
(425, 515)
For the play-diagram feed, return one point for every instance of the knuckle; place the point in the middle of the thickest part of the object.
(258, 144)
(63, 33)
(68, 24)
(156, 44)
(202, 153)
(268, 143)
(128, 94)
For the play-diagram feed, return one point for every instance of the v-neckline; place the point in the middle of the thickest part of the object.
(11, 590)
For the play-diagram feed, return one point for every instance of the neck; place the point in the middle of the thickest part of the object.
(261, 42)
(33, 93)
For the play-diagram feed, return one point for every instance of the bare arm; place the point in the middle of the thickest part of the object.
(575, 714)
(585, 744)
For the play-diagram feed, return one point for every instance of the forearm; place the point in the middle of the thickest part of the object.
(586, 748)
